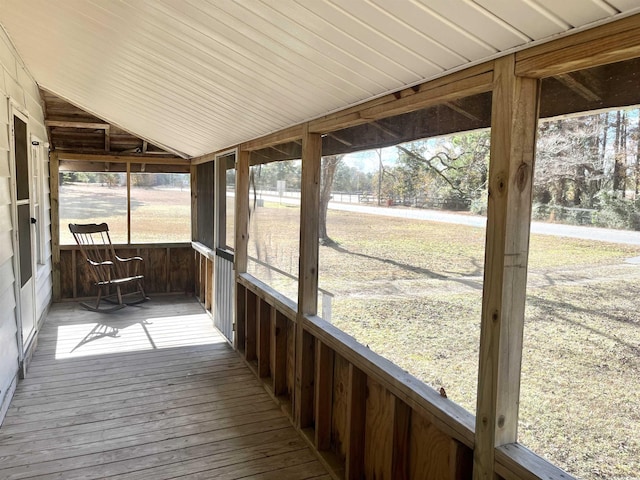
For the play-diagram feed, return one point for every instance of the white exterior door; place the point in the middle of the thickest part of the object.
(23, 241)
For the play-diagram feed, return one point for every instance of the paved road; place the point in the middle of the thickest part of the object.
(556, 229)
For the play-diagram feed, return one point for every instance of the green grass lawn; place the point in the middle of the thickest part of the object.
(412, 291)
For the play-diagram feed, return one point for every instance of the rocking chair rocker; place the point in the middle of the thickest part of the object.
(108, 271)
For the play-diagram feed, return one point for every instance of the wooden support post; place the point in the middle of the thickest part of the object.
(201, 270)
(220, 202)
(241, 243)
(128, 203)
(514, 123)
(308, 275)
(107, 139)
(278, 352)
(250, 332)
(241, 314)
(194, 201)
(324, 395)
(264, 341)
(242, 212)
(356, 416)
(55, 224)
(208, 293)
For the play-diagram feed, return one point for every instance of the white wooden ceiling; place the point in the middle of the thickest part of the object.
(197, 76)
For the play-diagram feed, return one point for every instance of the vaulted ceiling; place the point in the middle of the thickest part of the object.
(196, 76)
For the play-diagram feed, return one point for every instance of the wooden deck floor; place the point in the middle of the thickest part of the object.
(150, 392)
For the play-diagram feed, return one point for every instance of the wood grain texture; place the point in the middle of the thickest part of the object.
(613, 42)
(356, 423)
(401, 440)
(431, 452)
(279, 333)
(154, 269)
(379, 428)
(291, 357)
(240, 337)
(304, 396)
(181, 271)
(448, 416)
(324, 396)
(308, 277)
(191, 409)
(264, 340)
(401, 101)
(193, 181)
(208, 296)
(516, 462)
(251, 333)
(514, 124)
(339, 432)
(242, 212)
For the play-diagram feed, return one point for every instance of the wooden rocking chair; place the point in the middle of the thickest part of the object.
(108, 271)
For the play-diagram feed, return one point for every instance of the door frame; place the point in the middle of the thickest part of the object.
(220, 241)
(16, 110)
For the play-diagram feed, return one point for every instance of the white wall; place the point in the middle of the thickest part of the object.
(16, 83)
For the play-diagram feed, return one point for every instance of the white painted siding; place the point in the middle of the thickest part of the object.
(15, 82)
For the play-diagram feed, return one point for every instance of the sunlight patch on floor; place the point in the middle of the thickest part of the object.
(115, 335)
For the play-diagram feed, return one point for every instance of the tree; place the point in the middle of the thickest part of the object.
(328, 168)
(453, 169)
(570, 160)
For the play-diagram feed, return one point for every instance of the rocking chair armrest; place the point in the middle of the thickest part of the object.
(139, 259)
(108, 263)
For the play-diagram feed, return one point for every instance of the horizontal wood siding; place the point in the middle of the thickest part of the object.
(8, 329)
(17, 84)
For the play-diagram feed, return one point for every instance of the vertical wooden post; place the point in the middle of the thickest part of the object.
(241, 243)
(250, 333)
(194, 201)
(242, 212)
(401, 440)
(128, 203)
(278, 352)
(208, 290)
(308, 275)
(324, 395)
(356, 419)
(241, 313)
(54, 179)
(514, 122)
(220, 202)
(264, 341)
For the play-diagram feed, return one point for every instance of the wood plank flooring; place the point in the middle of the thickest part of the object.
(149, 392)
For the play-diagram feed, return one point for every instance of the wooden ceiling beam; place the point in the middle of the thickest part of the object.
(67, 124)
(87, 157)
(339, 139)
(386, 130)
(456, 108)
(610, 43)
(585, 91)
